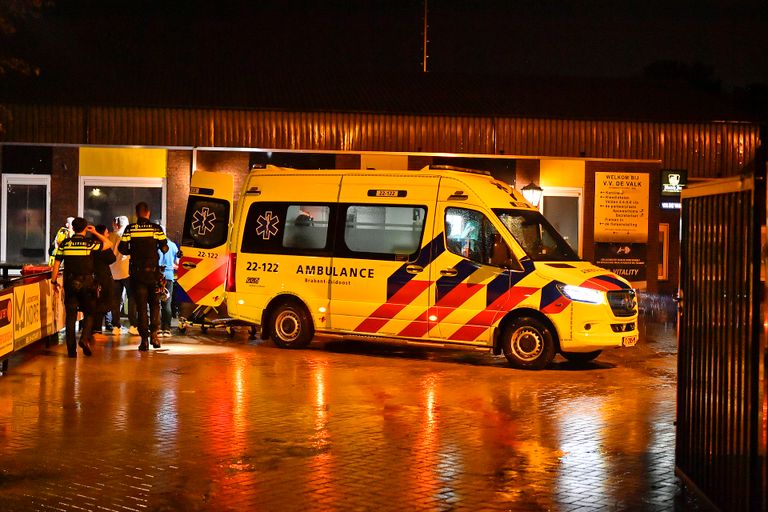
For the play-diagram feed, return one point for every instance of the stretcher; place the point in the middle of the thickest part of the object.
(211, 317)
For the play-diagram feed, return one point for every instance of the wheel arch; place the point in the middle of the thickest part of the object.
(520, 313)
(273, 304)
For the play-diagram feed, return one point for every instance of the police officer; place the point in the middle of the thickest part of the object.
(62, 234)
(141, 241)
(77, 253)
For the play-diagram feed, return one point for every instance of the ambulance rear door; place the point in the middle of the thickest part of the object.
(202, 268)
(380, 273)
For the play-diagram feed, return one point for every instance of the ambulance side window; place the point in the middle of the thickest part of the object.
(306, 226)
(287, 228)
(384, 232)
(470, 234)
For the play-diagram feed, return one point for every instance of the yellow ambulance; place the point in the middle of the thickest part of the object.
(442, 256)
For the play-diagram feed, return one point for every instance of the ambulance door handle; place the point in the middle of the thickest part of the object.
(449, 272)
(414, 269)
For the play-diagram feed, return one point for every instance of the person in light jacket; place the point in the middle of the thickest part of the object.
(120, 276)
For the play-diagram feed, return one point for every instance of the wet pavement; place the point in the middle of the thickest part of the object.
(210, 422)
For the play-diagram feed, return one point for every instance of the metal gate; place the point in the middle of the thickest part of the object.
(721, 396)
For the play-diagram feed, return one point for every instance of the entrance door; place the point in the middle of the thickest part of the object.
(25, 221)
(562, 208)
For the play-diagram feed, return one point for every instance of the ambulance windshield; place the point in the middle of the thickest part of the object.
(536, 235)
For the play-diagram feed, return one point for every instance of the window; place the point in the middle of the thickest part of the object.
(384, 232)
(27, 159)
(286, 228)
(470, 234)
(663, 274)
(306, 227)
(103, 198)
(562, 207)
(294, 160)
(206, 223)
(536, 235)
(25, 221)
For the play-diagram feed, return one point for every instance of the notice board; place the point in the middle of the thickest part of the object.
(621, 207)
(621, 223)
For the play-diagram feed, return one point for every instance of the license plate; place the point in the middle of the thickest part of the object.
(629, 341)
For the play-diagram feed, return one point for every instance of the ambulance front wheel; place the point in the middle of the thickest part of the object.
(291, 326)
(528, 344)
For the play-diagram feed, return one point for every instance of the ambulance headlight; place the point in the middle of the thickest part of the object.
(581, 294)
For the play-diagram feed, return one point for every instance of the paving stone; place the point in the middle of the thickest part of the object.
(220, 424)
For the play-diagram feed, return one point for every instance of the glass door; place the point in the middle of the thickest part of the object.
(25, 218)
(562, 207)
(102, 198)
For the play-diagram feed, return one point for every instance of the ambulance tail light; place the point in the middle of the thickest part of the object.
(231, 280)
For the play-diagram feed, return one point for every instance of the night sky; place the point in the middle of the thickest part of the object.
(135, 40)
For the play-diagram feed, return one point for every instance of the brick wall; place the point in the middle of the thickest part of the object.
(64, 186)
(234, 163)
(177, 191)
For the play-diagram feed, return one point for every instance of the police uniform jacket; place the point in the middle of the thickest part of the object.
(141, 241)
(77, 252)
(61, 235)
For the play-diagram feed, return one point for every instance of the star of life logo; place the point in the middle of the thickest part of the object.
(266, 226)
(202, 221)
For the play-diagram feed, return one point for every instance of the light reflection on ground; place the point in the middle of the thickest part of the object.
(182, 349)
(244, 425)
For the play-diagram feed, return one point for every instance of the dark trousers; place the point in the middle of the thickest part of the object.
(79, 294)
(165, 311)
(121, 285)
(143, 285)
(105, 304)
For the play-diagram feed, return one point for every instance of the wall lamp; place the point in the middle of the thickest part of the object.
(532, 192)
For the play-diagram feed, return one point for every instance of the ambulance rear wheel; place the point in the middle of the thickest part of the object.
(291, 326)
(528, 344)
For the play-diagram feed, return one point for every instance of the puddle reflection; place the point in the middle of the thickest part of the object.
(345, 431)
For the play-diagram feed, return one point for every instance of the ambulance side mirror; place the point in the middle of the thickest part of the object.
(512, 264)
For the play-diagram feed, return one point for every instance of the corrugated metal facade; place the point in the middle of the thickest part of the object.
(707, 150)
